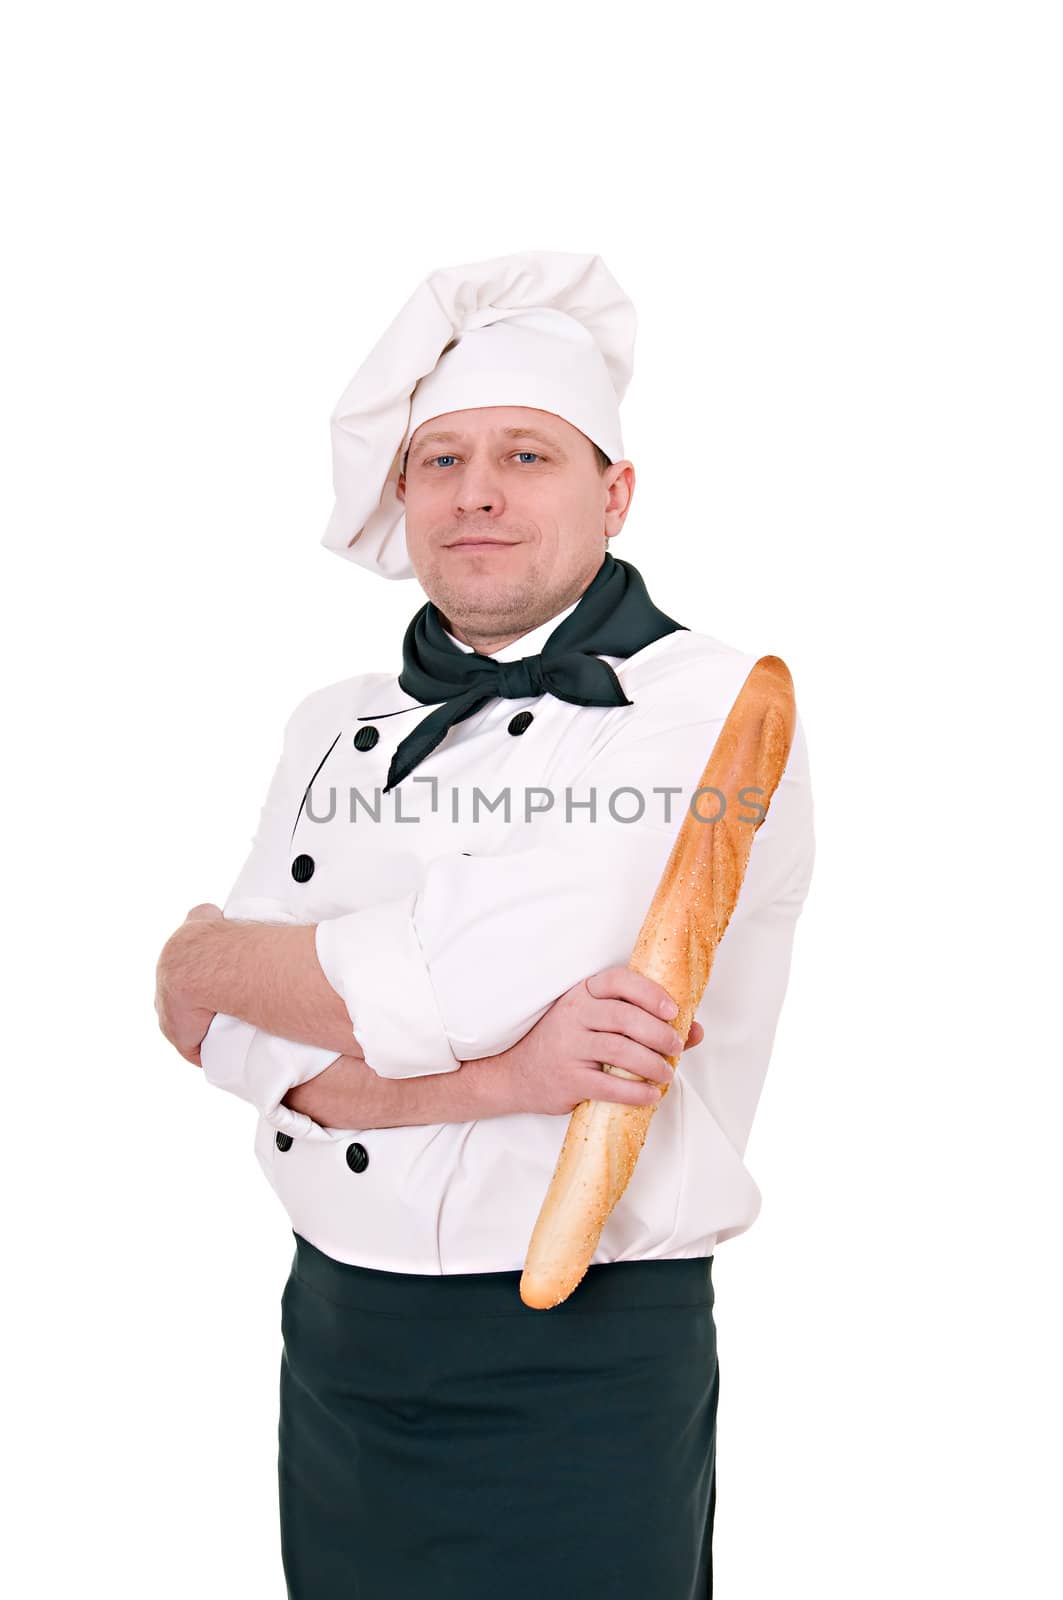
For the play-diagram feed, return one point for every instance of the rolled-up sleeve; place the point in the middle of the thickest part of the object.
(261, 1068)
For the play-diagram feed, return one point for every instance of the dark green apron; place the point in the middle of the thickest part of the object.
(441, 1440)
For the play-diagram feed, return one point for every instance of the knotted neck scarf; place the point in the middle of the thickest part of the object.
(615, 617)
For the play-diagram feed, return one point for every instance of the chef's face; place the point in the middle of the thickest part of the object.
(507, 515)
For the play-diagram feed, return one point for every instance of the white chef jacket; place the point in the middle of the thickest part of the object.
(449, 930)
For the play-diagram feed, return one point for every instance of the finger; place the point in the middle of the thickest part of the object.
(623, 983)
(695, 1036)
(621, 1016)
(621, 1091)
(203, 912)
(621, 1051)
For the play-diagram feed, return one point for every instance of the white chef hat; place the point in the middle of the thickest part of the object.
(542, 328)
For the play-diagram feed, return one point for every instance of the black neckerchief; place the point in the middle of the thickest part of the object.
(614, 617)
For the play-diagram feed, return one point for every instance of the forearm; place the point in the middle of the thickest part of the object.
(349, 1094)
(265, 973)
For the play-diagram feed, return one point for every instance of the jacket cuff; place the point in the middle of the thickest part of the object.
(260, 1067)
(374, 961)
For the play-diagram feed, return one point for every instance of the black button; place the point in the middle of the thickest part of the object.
(357, 1157)
(284, 1141)
(522, 720)
(303, 868)
(366, 738)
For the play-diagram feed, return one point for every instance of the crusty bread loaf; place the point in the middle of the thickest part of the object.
(676, 946)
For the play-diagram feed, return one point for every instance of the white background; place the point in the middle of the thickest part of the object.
(840, 225)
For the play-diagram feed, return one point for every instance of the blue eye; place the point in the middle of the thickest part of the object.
(431, 460)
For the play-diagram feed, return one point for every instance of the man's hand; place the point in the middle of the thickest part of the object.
(183, 1022)
(613, 1016)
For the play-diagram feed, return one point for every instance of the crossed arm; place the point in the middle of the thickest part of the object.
(266, 973)
(270, 976)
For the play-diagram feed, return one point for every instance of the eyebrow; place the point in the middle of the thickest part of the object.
(508, 433)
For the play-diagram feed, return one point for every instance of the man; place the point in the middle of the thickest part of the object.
(422, 967)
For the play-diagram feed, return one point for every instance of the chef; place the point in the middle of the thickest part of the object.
(422, 966)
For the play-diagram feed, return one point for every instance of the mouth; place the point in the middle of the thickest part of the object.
(481, 544)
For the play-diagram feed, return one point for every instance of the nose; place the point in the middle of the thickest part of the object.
(477, 488)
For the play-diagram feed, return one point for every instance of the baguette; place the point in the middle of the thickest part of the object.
(687, 918)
